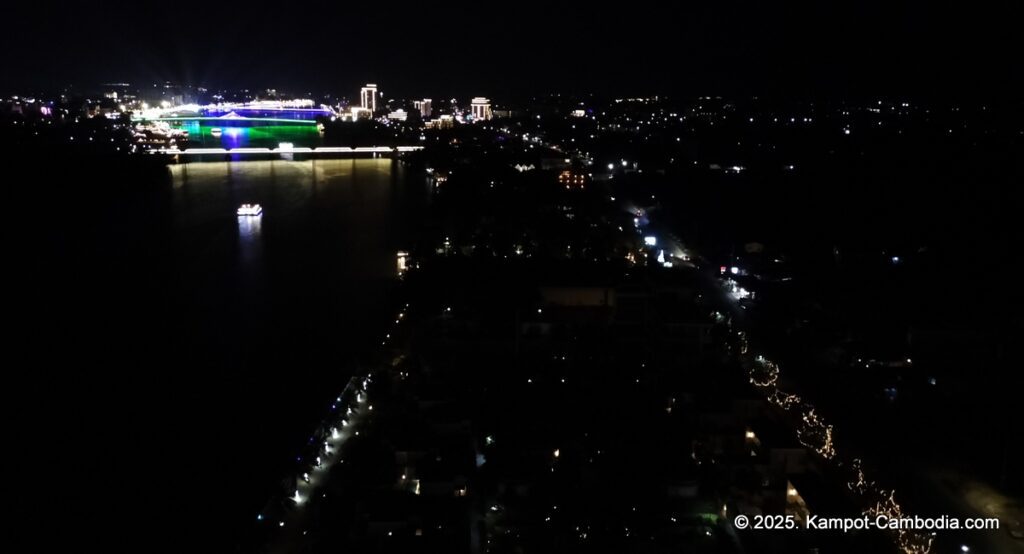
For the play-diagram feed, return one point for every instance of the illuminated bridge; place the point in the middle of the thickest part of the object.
(298, 109)
(252, 129)
(285, 149)
(240, 114)
(229, 120)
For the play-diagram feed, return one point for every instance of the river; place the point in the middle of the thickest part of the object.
(214, 343)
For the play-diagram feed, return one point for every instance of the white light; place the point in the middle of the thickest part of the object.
(611, 167)
(651, 240)
(734, 270)
(250, 210)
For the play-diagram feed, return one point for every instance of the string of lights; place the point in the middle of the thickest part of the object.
(816, 434)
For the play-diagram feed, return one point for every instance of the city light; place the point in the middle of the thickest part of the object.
(420, 263)
(814, 433)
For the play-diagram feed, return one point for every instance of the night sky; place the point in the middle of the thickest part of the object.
(937, 48)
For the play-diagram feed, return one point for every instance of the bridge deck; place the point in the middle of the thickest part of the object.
(287, 150)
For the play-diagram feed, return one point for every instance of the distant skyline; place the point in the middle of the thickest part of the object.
(932, 49)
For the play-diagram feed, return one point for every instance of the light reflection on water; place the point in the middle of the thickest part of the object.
(327, 223)
(249, 227)
(225, 316)
(316, 269)
(249, 237)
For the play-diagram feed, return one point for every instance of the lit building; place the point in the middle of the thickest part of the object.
(368, 97)
(424, 107)
(481, 109)
(398, 115)
(360, 113)
(507, 113)
(118, 91)
(572, 179)
(443, 122)
(403, 262)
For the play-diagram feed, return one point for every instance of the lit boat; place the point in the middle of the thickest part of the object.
(216, 131)
(250, 210)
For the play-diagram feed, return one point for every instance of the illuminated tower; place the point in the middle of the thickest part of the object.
(368, 97)
(481, 109)
(424, 107)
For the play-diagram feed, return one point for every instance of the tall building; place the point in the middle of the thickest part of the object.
(424, 107)
(368, 97)
(481, 109)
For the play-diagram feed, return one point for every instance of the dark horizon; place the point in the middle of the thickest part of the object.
(875, 49)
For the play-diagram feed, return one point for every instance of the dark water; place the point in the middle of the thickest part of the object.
(178, 355)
